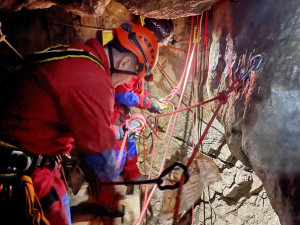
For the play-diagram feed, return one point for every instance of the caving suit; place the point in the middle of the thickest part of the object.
(58, 105)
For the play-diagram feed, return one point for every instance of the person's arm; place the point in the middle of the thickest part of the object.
(86, 97)
(130, 95)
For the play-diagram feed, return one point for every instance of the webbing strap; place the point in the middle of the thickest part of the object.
(49, 199)
(33, 205)
(52, 55)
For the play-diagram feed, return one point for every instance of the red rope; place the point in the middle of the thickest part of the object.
(205, 38)
(223, 98)
(171, 134)
(205, 35)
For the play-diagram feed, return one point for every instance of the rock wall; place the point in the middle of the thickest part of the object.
(261, 121)
(168, 9)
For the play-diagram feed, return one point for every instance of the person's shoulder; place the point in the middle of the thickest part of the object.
(92, 46)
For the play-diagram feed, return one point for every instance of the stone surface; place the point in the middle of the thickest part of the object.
(166, 9)
(262, 121)
(83, 7)
(156, 9)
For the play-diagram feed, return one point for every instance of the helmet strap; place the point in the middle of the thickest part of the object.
(112, 67)
(132, 38)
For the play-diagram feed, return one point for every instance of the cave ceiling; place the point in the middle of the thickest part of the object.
(160, 9)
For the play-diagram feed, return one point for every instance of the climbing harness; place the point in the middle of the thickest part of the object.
(14, 160)
(16, 189)
(160, 180)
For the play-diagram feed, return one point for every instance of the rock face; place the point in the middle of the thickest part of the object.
(83, 7)
(156, 9)
(262, 120)
(166, 9)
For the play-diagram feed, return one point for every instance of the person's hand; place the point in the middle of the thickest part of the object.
(100, 166)
(130, 134)
(133, 125)
(155, 107)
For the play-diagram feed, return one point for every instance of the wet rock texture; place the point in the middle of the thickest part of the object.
(166, 9)
(262, 120)
(157, 9)
(82, 7)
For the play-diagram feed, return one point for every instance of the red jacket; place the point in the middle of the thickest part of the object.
(59, 103)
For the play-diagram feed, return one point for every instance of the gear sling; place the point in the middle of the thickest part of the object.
(18, 201)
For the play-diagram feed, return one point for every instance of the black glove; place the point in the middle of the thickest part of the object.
(155, 107)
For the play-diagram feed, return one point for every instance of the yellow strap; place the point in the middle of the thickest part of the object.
(35, 211)
(5, 144)
(54, 47)
(72, 56)
(142, 19)
(107, 36)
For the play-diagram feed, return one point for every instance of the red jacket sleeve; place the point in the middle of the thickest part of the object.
(135, 86)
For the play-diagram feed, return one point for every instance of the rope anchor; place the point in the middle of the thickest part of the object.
(160, 180)
(255, 63)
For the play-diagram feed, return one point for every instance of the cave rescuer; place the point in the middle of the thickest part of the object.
(130, 95)
(58, 100)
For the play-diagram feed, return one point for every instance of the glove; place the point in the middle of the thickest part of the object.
(101, 166)
(133, 125)
(155, 107)
(121, 132)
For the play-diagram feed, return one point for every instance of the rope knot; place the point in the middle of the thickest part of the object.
(223, 97)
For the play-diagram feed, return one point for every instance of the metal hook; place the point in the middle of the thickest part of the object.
(253, 66)
(252, 63)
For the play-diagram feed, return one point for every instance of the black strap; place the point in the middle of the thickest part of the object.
(132, 38)
(49, 199)
(53, 55)
(112, 67)
(144, 101)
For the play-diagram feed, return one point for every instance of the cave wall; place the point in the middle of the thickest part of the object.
(262, 120)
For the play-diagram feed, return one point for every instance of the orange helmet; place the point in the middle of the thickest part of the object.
(140, 41)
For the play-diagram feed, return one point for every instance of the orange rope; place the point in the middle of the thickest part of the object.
(36, 214)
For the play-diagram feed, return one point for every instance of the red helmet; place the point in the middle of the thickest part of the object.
(140, 41)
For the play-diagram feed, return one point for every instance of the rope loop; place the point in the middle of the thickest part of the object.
(138, 118)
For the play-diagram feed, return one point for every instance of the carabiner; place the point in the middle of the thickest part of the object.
(160, 180)
(167, 171)
(253, 66)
